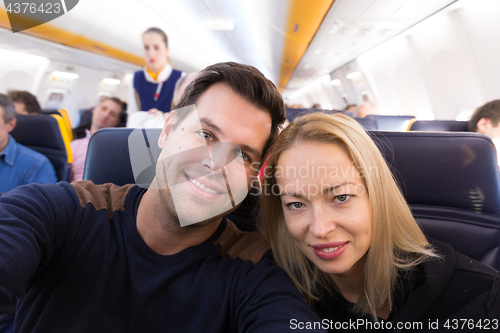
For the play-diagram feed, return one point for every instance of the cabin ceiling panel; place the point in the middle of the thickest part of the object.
(353, 27)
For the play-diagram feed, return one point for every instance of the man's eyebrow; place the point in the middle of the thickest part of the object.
(208, 123)
(328, 189)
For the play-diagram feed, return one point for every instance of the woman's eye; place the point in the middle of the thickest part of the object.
(295, 205)
(342, 198)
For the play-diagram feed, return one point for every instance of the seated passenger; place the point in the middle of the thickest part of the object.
(25, 102)
(19, 165)
(486, 120)
(106, 114)
(339, 225)
(81, 257)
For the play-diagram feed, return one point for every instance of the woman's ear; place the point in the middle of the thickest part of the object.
(167, 128)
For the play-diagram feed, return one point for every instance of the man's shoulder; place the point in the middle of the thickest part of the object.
(106, 196)
(29, 154)
(244, 245)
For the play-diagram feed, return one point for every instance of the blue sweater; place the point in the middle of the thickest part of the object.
(72, 256)
(145, 91)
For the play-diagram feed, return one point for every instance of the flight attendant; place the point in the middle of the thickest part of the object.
(154, 85)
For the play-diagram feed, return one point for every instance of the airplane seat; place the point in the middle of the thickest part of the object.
(439, 125)
(291, 114)
(392, 123)
(108, 161)
(367, 123)
(452, 183)
(43, 134)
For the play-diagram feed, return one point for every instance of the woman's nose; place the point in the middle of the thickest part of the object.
(323, 223)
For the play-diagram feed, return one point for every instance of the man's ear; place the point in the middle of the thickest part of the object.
(11, 125)
(482, 125)
(167, 128)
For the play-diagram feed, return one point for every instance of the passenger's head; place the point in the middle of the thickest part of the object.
(107, 114)
(7, 119)
(351, 108)
(366, 109)
(25, 102)
(181, 85)
(155, 43)
(327, 185)
(486, 119)
(238, 111)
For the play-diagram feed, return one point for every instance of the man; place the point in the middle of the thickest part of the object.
(107, 114)
(25, 102)
(19, 165)
(90, 258)
(486, 119)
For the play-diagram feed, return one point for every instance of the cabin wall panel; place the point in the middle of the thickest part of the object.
(20, 71)
(395, 76)
(481, 22)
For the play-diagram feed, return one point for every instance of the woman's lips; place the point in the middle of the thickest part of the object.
(330, 251)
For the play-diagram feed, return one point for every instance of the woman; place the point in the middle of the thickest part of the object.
(154, 85)
(340, 227)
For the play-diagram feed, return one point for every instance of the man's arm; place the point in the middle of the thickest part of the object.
(34, 221)
(270, 302)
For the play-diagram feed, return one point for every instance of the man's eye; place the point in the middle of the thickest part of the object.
(243, 155)
(206, 136)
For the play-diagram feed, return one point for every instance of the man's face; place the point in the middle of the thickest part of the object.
(205, 165)
(5, 129)
(107, 114)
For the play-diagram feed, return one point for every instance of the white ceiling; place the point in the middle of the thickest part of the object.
(350, 28)
(353, 27)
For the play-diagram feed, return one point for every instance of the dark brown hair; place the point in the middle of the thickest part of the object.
(29, 100)
(159, 32)
(247, 82)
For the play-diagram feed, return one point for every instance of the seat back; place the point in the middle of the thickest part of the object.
(108, 157)
(367, 123)
(42, 134)
(439, 125)
(392, 123)
(452, 183)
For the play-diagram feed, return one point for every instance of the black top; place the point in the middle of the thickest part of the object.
(438, 295)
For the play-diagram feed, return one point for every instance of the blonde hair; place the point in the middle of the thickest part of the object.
(397, 241)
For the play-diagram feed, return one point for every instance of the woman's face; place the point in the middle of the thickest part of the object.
(326, 206)
(155, 50)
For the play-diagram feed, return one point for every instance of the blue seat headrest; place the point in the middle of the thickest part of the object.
(367, 123)
(42, 134)
(392, 123)
(457, 170)
(439, 125)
